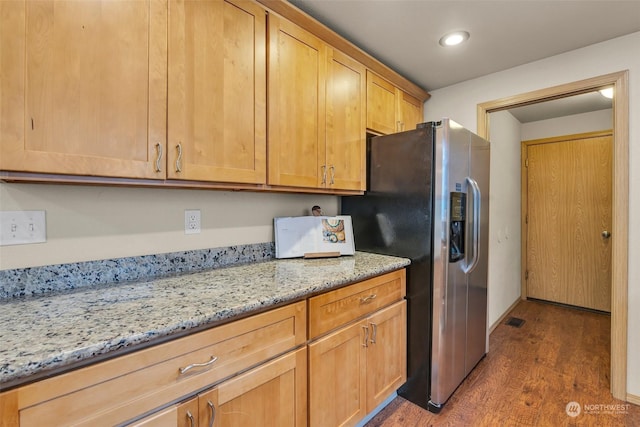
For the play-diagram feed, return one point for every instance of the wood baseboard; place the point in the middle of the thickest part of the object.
(504, 316)
(632, 398)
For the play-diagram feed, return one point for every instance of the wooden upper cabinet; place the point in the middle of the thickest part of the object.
(345, 123)
(410, 111)
(317, 112)
(84, 87)
(297, 74)
(217, 91)
(381, 104)
(389, 109)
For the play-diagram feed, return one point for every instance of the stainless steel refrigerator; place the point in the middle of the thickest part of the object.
(427, 199)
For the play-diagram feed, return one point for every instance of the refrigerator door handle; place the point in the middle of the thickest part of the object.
(476, 225)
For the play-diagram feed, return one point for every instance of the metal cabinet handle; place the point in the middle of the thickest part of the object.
(366, 336)
(368, 298)
(374, 333)
(606, 234)
(191, 419)
(324, 174)
(179, 159)
(212, 408)
(198, 365)
(333, 174)
(158, 157)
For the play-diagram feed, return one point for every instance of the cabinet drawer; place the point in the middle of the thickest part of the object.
(122, 388)
(333, 309)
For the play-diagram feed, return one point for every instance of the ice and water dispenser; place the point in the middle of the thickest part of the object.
(457, 215)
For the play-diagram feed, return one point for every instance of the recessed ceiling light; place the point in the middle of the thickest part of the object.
(607, 92)
(453, 39)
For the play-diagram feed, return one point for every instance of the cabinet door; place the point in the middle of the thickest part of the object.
(337, 382)
(410, 112)
(297, 73)
(217, 91)
(165, 418)
(346, 123)
(188, 413)
(86, 92)
(381, 105)
(273, 394)
(386, 353)
(184, 414)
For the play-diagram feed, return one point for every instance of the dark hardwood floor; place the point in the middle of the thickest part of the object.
(530, 375)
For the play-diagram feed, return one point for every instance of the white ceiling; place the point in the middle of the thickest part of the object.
(404, 34)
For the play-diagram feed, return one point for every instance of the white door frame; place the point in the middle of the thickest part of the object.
(620, 199)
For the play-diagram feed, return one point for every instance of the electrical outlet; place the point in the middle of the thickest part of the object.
(22, 227)
(192, 221)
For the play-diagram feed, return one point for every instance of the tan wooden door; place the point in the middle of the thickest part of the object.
(569, 214)
(86, 87)
(345, 121)
(217, 91)
(297, 76)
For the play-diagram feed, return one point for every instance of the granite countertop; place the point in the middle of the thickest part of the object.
(51, 334)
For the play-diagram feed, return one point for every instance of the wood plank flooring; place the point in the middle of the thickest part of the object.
(530, 375)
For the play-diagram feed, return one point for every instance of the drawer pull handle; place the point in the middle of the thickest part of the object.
(368, 298)
(191, 419)
(198, 365)
(374, 333)
(213, 412)
(366, 336)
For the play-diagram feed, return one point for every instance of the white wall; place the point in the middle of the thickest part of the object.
(504, 215)
(460, 101)
(568, 125)
(92, 223)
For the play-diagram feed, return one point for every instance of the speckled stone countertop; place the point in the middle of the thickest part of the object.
(53, 333)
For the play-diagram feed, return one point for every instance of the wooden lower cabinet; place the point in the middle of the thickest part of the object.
(124, 388)
(337, 385)
(352, 370)
(386, 353)
(165, 418)
(273, 394)
(357, 353)
(258, 371)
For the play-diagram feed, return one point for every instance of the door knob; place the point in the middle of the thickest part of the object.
(606, 234)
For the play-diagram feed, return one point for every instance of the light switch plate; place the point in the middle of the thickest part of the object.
(22, 227)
